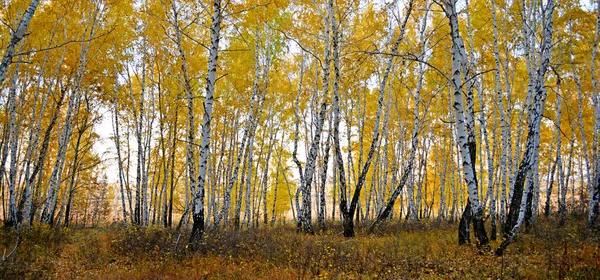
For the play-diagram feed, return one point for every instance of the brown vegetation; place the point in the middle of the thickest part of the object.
(398, 250)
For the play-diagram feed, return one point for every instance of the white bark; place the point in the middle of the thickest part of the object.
(35, 133)
(211, 78)
(248, 129)
(147, 149)
(72, 111)
(16, 37)
(584, 146)
(248, 182)
(191, 125)
(538, 94)
(504, 168)
(265, 180)
(375, 142)
(458, 58)
(117, 139)
(295, 151)
(13, 130)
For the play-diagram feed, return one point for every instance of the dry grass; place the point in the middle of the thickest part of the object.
(398, 250)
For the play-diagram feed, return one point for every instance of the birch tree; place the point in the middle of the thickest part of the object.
(505, 125)
(538, 93)
(13, 138)
(16, 37)
(385, 212)
(211, 78)
(72, 111)
(117, 140)
(459, 58)
(348, 210)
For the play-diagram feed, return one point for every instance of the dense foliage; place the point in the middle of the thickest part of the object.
(224, 117)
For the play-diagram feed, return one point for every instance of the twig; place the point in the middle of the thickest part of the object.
(64, 44)
(5, 257)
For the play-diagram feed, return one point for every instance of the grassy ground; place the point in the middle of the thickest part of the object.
(398, 250)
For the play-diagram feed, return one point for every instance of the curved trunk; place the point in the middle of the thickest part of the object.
(466, 147)
(536, 107)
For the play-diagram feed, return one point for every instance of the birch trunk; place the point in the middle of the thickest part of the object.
(309, 170)
(407, 171)
(147, 149)
(16, 37)
(504, 168)
(13, 131)
(34, 135)
(75, 166)
(552, 171)
(162, 201)
(36, 192)
(72, 111)
(538, 93)
(247, 183)
(322, 206)
(465, 146)
(117, 139)
(265, 179)
(172, 179)
(350, 209)
(198, 202)
(442, 212)
(304, 222)
(191, 125)
(249, 155)
(565, 184)
(138, 119)
(584, 146)
(247, 129)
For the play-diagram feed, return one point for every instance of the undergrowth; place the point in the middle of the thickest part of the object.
(397, 250)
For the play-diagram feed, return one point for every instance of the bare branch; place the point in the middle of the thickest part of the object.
(32, 51)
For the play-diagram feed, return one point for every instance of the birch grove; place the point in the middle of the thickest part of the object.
(220, 115)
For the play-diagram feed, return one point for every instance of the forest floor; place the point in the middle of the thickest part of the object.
(398, 250)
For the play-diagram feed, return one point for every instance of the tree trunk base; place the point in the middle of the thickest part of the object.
(197, 232)
(463, 226)
(349, 227)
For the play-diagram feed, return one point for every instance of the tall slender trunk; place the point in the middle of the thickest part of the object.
(407, 171)
(191, 126)
(138, 119)
(466, 146)
(584, 145)
(557, 161)
(350, 209)
(117, 140)
(322, 206)
(72, 112)
(13, 141)
(147, 155)
(595, 189)
(172, 175)
(75, 166)
(503, 123)
(538, 93)
(265, 179)
(198, 202)
(34, 134)
(241, 156)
